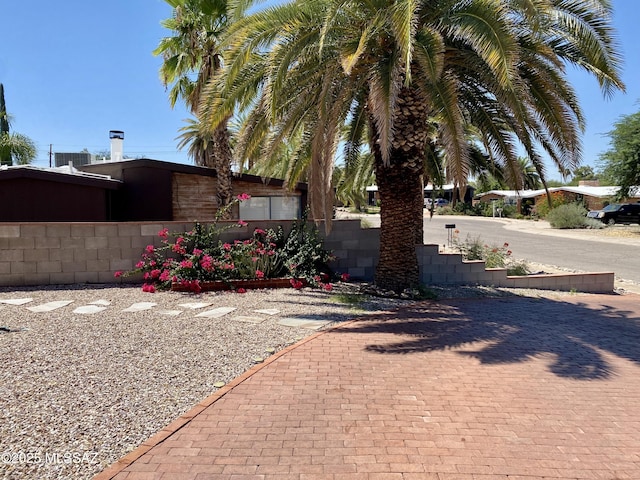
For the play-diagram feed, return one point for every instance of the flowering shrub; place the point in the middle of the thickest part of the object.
(493, 256)
(190, 258)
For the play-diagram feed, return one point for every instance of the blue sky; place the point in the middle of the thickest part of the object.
(74, 70)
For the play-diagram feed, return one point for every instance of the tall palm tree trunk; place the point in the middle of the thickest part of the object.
(398, 264)
(222, 164)
(400, 187)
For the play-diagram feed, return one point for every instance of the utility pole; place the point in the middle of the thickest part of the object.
(50, 153)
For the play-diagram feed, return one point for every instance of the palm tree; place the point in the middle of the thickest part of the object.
(18, 148)
(529, 177)
(191, 58)
(394, 69)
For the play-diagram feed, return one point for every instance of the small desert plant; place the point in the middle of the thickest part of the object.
(493, 256)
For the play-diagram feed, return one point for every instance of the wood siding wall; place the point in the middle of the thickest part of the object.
(194, 196)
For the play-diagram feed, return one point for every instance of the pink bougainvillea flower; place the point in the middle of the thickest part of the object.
(147, 287)
(259, 274)
(345, 277)
(164, 276)
(140, 264)
(155, 273)
(149, 249)
(207, 263)
(254, 259)
(164, 233)
(186, 264)
(242, 223)
(197, 252)
(179, 240)
(241, 290)
(259, 231)
(243, 196)
(118, 274)
(227, 246)
(228, 266)
(327, 286)
(194, 286)
(297, 284)
(146, 275)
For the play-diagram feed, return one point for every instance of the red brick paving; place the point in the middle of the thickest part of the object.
(483, 389)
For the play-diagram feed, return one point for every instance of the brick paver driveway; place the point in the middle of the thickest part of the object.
(506, 388)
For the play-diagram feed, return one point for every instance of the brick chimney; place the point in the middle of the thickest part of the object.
(589, 183)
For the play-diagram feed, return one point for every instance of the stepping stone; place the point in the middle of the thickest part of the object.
(216, 312)
(140, 306)
(101, 302)
(303, 323)
(89, 309)
(169, 313)
(17, 301)
(247, 319)
(195, 305)
(50, 306)
(268, 311)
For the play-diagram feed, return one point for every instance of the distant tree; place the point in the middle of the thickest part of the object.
(621, 163)
(5, 155)
(554, 183)
(14, 147)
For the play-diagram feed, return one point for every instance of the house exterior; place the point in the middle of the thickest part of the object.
(32, 194)
(154, 190)
(594, 197)
(137, 190)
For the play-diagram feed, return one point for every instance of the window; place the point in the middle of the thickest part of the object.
(270, 208)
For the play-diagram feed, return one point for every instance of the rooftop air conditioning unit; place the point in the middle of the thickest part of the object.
(76, 159)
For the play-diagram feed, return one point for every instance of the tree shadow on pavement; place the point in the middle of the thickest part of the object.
(514, 329)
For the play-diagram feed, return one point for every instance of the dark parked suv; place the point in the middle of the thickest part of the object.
(617, 213)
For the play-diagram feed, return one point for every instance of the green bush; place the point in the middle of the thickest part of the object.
(462, 208)
(486, 209)
(569, 215)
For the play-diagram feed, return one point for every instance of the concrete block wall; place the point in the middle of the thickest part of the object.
(67, 253)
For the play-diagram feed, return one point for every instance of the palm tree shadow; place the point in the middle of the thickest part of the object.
(576, 337)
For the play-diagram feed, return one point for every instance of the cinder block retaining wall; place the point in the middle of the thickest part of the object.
(66, 253)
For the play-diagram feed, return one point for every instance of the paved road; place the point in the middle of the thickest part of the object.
(537, 242)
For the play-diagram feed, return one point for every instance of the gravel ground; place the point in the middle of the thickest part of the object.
(78, 392)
